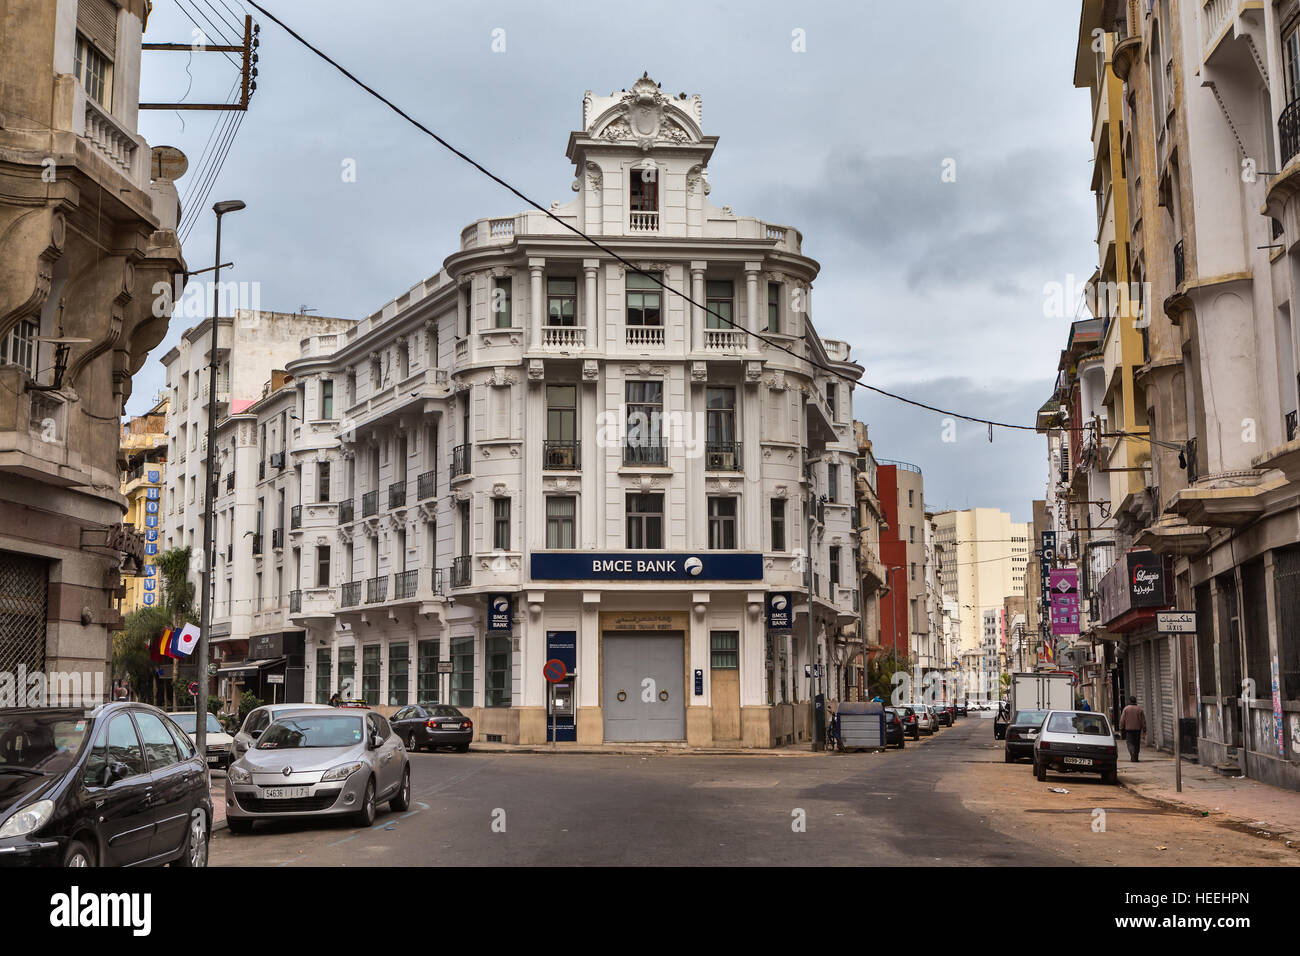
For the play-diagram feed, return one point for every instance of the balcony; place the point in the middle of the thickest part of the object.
(655, 455)
(397, 494)
(641, 221)
(277, 538)
(460, 460)
(426, 486)
(1180, 264)
(561, 455)
(462, 351)
(564, 336)
(295, 517)
(724, 340)
(347, 510)
(295, 602)
(257, 544)
(370, 504)
(405, 584)
(461, 575)
(351, 594)
(261, 469)
(437, 581)
(1288, 131)
(645, 336)
(230, 553)
(723, 456)
(230, 481)
(377, 589)
(1189, 456)
(1291, 426)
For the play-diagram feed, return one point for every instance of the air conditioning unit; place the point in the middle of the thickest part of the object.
(721, 461)
(277, 459)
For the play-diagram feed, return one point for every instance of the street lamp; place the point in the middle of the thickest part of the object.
(890, 569)
(209, 538)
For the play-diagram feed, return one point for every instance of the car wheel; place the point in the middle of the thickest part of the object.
(462, 748)
(194, 854)
(238, 825)
(78, 855)
(1009, 758)
(412, 742)
(366, 815)
(1110, 776)
(400, 802)
(902, 744)
(1040, 771)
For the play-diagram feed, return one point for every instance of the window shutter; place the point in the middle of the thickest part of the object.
(97, 19)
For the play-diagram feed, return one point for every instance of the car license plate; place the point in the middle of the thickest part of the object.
(214, 758)
(285, 793)
(1081, 761)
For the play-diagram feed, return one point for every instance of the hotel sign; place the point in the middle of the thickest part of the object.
(1064, 584)
(645, 566)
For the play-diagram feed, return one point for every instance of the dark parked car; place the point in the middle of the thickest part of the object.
(117, 785)
(946, 713)
(960, 708)
(432, 726)
(894, 729)
(1021, 734)
(911, 723)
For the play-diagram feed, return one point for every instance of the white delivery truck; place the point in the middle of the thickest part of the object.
(1041, 691)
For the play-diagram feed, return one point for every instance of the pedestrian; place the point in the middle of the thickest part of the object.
(1132, 724)
(1085, 705)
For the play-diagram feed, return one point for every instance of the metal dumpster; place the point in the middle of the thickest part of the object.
(862, 724)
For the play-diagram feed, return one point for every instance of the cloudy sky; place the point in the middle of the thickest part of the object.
(939, 286)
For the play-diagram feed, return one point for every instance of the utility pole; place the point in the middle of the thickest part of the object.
(209, 480)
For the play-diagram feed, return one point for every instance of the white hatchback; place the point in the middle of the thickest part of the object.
(1076, 741)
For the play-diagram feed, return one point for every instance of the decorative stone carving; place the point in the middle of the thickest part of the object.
(781, 491)
(590, 370)
(428, 510)
(645, 267)
(699, 372)
(696, 177)
(536, 370)
(776, 381)
(753, 372)
(595, 178)
(499, 489)
(500, 377)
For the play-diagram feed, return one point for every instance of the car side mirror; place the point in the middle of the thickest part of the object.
(115, 771)
(375, 742)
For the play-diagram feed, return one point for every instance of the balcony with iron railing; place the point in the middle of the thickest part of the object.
(277, 538)
(437, 581)
(230, 481)
(460, 460)
(397, 494)
(1288, 131)
(1291, 426)
(461, 572)
(405, 584)
(347, 511)
(257, 544)
(370, 504)
(426, 486)
(645, 454)
(1180, 264)
(350, 595)
(295, 517)
(723, 456)
(561, 455)
(295, 602)
(377, 589)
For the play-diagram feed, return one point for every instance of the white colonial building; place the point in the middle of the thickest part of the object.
(540, 454)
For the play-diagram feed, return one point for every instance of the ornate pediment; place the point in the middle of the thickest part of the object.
(645, 117)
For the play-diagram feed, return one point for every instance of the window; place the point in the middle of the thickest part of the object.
(913, 570)
(501, 313)
(347, 672)
(324, 675)
(323, 481)
(911, 498)
(722, 524)
(19, 346)
(467, 304)
(777, 508)
(642, 444)
(724, 650)
(562, 302)
(720, 411)
(832, 482)
(774, 306)
(911, 534)
(94, 71)
(501, 524)
(118, 744)
(560, 522)
(464, 529)
(426, 672)
(159, 745)
(835, 567)
(399, 667)
(1291, 63)
(561, 412)
(497, 672)
(833, 400)
(645, 521)
(370, 674)
(720, 303)
(327, 399)
(462, 672)
(322, 566)
(643, 190)
(643, 300)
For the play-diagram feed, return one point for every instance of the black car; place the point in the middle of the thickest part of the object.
(432, 726)
(894, 729)
(1021, 734)
(960, 708)
(116, 785)
(911, 725)
(946, 713)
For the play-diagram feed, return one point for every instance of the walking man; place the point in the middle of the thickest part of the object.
(1133, 724)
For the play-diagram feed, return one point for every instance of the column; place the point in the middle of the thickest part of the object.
(536, 267)
(697, 312)
(751, 301)
(589, 269)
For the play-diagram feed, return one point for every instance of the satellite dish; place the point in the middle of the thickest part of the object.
(167, 164)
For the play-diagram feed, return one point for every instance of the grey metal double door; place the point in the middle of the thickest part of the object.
(644, 687)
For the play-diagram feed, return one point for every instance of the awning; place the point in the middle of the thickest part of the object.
(249, 668)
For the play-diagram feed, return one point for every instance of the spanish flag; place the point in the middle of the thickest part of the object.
(160, 650)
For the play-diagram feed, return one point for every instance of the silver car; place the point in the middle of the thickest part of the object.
(259, 719)
(319, 763)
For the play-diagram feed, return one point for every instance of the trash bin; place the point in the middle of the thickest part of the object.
(862, 724)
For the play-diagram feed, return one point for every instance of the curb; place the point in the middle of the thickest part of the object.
(1218, 817)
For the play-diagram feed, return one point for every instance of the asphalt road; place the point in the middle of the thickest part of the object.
(664, 810)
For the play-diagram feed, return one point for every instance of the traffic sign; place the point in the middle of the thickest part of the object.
(1175, 622)
(193, 688)
(554, 670)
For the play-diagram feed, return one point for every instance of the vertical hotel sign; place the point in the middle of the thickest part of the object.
(1064, 584)
(152, 496)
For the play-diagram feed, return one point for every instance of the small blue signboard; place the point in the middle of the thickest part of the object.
(780, 611)
(499, 612)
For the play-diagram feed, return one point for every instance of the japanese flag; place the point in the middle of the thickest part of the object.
(187, 640)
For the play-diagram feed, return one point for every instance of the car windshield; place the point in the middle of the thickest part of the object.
(41, 743)
(312, 730)
(187, 723)
(1033, 718)
(1090, 725)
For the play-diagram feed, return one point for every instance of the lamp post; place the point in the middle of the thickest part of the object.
(209, 538)
(889, 570)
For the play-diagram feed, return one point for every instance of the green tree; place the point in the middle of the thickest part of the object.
(141, 627)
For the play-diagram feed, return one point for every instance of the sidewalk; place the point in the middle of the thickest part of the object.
(1249, 804)
(218, 802)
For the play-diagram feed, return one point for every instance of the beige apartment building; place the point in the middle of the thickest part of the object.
(983, 557)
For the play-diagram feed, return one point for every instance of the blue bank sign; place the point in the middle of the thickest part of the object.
(646, 566)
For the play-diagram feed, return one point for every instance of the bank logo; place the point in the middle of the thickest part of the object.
(779, 602)
(501, 605)
(693, 566)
